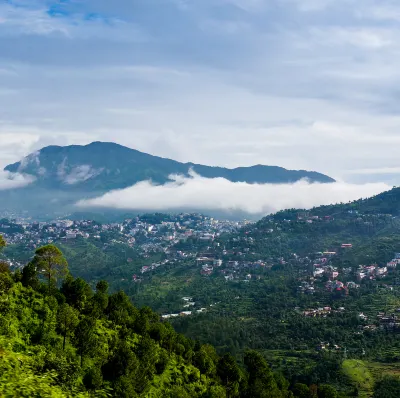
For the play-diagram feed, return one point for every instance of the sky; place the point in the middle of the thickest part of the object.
(302, 84)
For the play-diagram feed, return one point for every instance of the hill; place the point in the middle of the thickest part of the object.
(73, 342)
(309, 289)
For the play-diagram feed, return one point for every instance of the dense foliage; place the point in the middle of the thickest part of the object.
(84, 342)
(71, 341)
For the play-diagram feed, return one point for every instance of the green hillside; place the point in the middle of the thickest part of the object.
(73, 342)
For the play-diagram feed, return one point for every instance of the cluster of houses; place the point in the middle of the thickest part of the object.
(148, 233)
(389, 322)
(322, 312)
(232, 269)
(187, 304)
(370, 272)
(152, 267)
(394, 262)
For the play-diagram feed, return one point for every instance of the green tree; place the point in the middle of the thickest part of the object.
(230, 374)
(388, 387)
(50, 262)
(84, 337)
(29, 276)
(301, 390)
(122, 363)
(99, 301)
(261, 381)
(6, 281)
(76, 291)
(3, 243)
(4, 267)
(204, 360)
(327, 391)
(67, 319)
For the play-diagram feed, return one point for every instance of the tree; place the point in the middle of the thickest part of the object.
(388, 387)
(4, 267)
(2, 243)
(50, 262)
(301, 391)
(204, 360)
(102, 287)
(85, 338)
(230, 374)
(29, 276)
(123, 363)
(67, 318)
(99, 301)
(76, 291)
(261, 383)
(327, 391)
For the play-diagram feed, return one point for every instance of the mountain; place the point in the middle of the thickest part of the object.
(65, 175)
(102, 166)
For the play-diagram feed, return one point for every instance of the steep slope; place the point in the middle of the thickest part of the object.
(106, 166)
(73, 342)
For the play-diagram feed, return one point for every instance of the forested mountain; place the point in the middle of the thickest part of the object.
(64, 175)
(106, 166)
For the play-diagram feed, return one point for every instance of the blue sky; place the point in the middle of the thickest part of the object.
(304, 84)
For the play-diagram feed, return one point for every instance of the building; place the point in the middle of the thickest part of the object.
(346, 246)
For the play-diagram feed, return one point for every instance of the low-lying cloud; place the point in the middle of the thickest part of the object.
(218, 194)
(14, 180)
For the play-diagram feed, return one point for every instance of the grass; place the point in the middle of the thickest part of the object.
(359, 374)
(379, 370)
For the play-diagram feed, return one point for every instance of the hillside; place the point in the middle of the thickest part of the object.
(315, 291)
(73, 342)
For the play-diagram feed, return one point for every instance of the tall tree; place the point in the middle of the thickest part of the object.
(261, 383)
(99, 301)
(231, 375)
(50, 262)
(67, 319)
(29, 276)
(76, 291)
(85, 339)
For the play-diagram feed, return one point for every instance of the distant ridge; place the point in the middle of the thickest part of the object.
(64, 175)
(106, 166)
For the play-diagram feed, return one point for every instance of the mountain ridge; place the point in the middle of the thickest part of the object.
(107, 165)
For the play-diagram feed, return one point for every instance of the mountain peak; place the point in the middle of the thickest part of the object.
(108, 165)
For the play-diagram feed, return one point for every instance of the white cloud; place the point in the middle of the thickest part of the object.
(306, 84)
(13, 180)
(199, 193)
(81, 173)
(380, 12)
(19, 20)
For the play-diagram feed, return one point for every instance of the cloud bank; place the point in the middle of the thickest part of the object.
(302, 84)
(218, 194)
(13, 180)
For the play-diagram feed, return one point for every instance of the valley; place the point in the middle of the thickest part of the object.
(307, 288)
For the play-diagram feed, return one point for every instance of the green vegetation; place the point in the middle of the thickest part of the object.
(73, 342)
(358, 373)
(351, 349)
